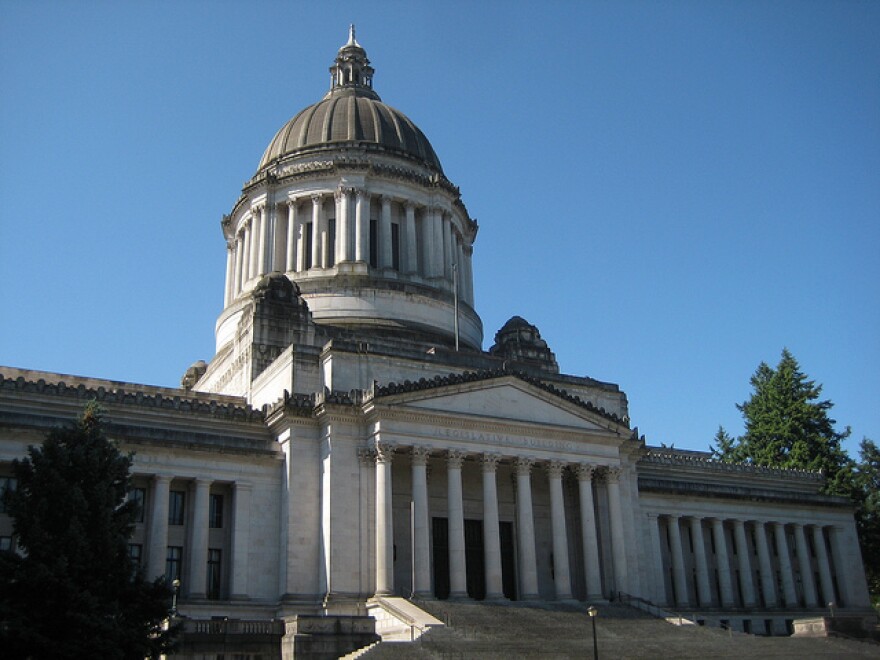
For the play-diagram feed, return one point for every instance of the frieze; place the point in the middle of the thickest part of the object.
(504, 440)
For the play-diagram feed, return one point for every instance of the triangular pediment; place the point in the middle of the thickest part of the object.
(507, 400)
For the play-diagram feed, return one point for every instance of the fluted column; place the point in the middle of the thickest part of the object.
(682, 598)
(426, 237)
(261, 237)
(528, 570)
(823, 565)
(248, 255)
(655, 559)
(722, 562)
(230, 273)
(788, 590)
(343, 196)
(410, 262)
(198, 550)
(239, 263)
(585, 472)
(421, 542)
(561, 570)
(316, 230)
(447, 252)
(805, 567)
(292, 261)
(362, 226)
(704, 593)
(367, 539)
(768, 580)
(158, 527)
(241, 539)
(491, 533)
(384, 521)
(615, 514)
(385, 260)
(746, 579)
(457, 561)
(438, 257)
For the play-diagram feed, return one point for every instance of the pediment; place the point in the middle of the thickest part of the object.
(507, 401)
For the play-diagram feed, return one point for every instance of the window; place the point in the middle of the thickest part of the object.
(308, 238)
(331, 242)
(139, 497)
(6, 484)
(135, 553)
(5, 543)
(175, 507)
(214, 573)
(374, 243)
(173, 562)
(395, 246)
(215, 515)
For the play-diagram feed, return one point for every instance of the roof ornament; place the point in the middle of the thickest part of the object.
(351, 39)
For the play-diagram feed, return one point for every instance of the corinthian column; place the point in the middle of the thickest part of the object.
(457, 563)
(158, 527)
(384, 521)
(615, 513)
(723, 563)
(385, 260)
(292, 236)
(343, 195)
(198, 555)
(421, 544)
(362, 226)
(682, 597)
(317, 230)
(528, 571)
(491, 533)
(585, 473)
(228, 292)
(561, 574)
(261, 234)
(410, 264)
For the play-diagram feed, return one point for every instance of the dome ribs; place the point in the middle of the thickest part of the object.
(327, 127)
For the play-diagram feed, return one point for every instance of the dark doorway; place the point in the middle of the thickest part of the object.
(508, 572)
(473, 552)
(440, 528)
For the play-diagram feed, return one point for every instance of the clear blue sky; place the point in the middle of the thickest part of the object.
(671, 191)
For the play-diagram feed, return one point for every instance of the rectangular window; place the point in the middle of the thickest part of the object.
(139, 497)
(5, 543)
(395, 246)
(215, 515)
(374, 243)
(175, 507)
(135, 553)
(173, 561)
(331, 242)
(214, 573)
(7, 484)
(308, 235)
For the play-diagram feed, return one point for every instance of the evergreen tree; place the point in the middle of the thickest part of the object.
(867, 495)
(74, 592)
(787, 425)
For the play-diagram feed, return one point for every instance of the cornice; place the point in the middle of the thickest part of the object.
(706, 463)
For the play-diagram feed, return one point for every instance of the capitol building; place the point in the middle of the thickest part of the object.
(351, 449)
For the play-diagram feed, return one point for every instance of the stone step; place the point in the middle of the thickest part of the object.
(548, 630)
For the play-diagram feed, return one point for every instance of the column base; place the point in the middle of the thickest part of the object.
(459, 595)
(597, 599)
(495, 598)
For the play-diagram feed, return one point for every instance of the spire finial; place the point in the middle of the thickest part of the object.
(351, 38)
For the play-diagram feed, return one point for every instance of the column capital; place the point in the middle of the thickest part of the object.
(367, 456)
(586, 471)
(317, 198)
(555, 468)
(612, 473)
(489, 461)
(292, 202)
(454, 458)
(420, 454)
(408, 204)
(259, 207)
(162, 478)
(524, 465)
(384, 451)
(362, 193)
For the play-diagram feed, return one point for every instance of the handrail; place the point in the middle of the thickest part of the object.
(660, 612)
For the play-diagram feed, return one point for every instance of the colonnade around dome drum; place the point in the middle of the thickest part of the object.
(349, 230)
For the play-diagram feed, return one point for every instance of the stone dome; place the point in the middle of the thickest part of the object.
(351, 115)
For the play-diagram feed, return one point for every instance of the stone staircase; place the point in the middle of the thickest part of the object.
(561, 630)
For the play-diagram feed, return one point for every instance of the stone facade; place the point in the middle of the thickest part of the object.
(350, 439)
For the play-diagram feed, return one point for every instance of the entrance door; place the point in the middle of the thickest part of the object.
(440, 528)
(473, 552)
(508, 574)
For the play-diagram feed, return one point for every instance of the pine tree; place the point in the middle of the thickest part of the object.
(867, 487)
(74, 592)
(787, 425)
